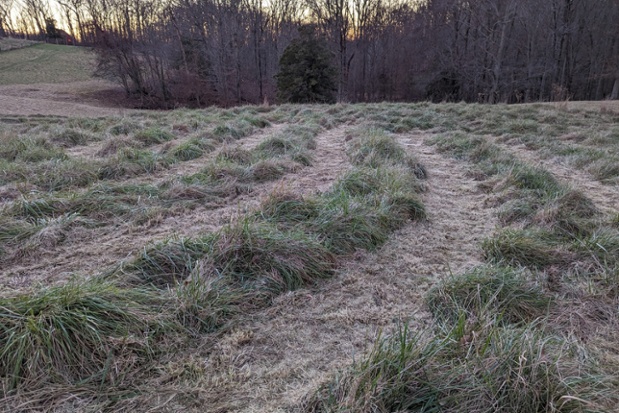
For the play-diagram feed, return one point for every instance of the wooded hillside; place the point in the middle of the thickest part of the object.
(227, 52)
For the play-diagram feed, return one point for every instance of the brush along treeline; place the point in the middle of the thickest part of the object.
(104, 335)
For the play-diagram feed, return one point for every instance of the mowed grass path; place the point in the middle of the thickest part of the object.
(46, 63)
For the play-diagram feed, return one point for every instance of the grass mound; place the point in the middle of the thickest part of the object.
(166, 263)
(30, 150)
(497, 370)
(73, 137)
(375, 148)
(80, 332)
(289, 208)
(503, 292)
(527, 248)
(265, 258)
(153, 136)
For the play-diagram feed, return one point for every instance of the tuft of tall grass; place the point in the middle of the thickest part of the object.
(606, 170)
(527, 248)
(233, 130)
(30, 150)
(54, 175)
(166, 263)
(69, 137)
(496, 370)
(192, 149)
(219, 171)
(124, 127)
(205, 305)
(572, 214)
(132, 162)
(540, 181)
(153, 136)
(346, 223)
(291, 209)
(81, 332)
(114, 145)
(261, 257)
(268, 170)
(14, 231)
(277, 146)
(376, 149)
(601, 247)
(502, 293)
(236, 155)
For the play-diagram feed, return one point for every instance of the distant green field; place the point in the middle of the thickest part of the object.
(45, 63)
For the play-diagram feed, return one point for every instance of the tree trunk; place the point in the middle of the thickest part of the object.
(614, 95)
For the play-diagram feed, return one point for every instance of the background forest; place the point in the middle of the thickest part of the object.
(227, 52)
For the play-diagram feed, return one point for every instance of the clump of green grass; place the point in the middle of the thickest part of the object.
(528, 248)
(540, 181)
(13, 232)
(256, 121)
(73, 334)
(358, 182)
(277, 146)
(125, 127)
(166, 263)
(600, 247)
(192, 149)
(606, 170)
(496, 370)
(237, 155)
(572, 214)
(153, 136)
(37, 208)
(132, 162)
(303, 158)
(203, 306)
(206, 194)
(345, 223)
(462, 146)
(376, 149)
(289, 208)
(522, 208)
(501, 292)
(263, 258)
(233, 130)
(268, 170)
(31, 150)
(54, 231)
(114, 145)
(58, 174)
(403, 206)
(220, 171)
(70, 137)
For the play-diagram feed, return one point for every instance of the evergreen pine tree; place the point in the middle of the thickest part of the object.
(306, 74)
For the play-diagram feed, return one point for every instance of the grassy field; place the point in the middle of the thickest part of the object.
(358, 258)
(9, 43)
(45, 63)
(345, 258)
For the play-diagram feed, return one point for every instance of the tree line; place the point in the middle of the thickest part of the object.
(227, 52)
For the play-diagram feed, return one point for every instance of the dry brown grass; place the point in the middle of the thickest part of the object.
(270, 359)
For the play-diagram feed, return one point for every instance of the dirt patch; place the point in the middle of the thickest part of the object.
(273, 359)
(92, 98)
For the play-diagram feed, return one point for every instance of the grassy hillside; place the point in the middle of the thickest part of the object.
(311, 258)
(9, 43)
(45, 63)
